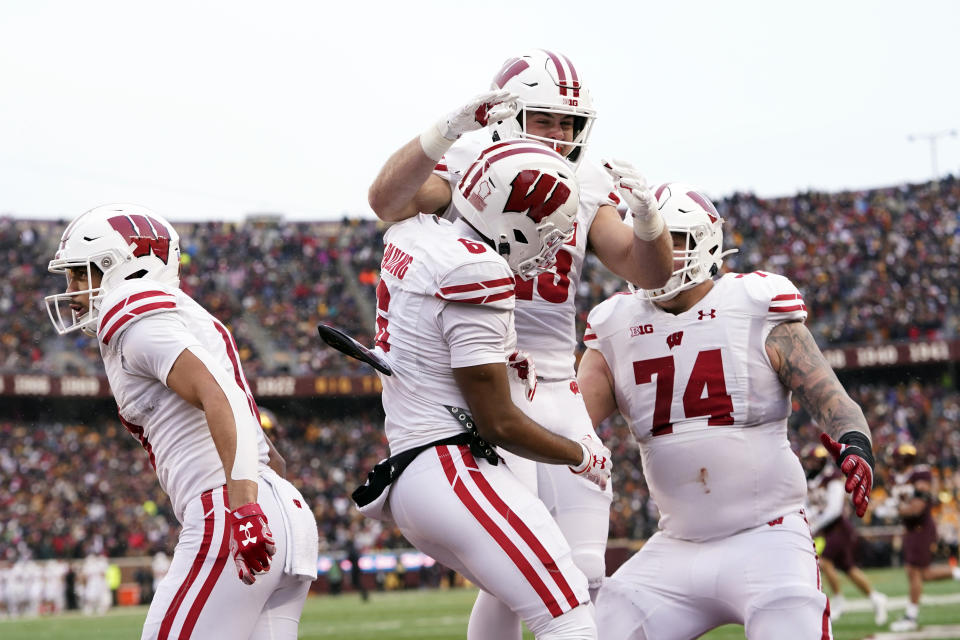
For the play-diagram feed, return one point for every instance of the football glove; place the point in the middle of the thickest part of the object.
(251, 541)
(492, 106)
(633, 188)
(595, 466)
(854, 456)
(520, 366)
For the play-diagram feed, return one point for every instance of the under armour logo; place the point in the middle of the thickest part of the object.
(711, 315)
(247, 538)
(673, 340)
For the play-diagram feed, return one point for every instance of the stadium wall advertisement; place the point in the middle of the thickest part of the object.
(841, 359)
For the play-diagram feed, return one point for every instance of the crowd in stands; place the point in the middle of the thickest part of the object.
(874, 266)
(72, 489)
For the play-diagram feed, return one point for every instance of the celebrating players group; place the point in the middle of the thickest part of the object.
(495, 467)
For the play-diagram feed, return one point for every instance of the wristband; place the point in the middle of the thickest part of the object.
(433, 143)
(857, 443)
(648, 227)
(587, 457)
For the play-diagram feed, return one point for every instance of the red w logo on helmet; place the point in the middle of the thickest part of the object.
(546, 196)
(146, 233)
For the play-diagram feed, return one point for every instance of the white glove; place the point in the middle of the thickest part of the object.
(596, 462)
(520, 365)
(492, 106)
(647, 221)
(485, 108)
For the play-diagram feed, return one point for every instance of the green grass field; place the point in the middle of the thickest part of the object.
(443, 614)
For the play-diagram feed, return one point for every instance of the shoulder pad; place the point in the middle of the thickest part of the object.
(597, 183)
(603, 318)
(771, 295)
(458, 158)
(482, 278)
(134, 300)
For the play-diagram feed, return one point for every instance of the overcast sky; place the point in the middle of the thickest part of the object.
(217, 109)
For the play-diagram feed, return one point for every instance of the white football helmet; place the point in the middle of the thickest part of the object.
(523, 198)
(545, 81)
(123, 241)
(686, 211)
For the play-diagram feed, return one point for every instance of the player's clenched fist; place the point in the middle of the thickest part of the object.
(492, 106)
(636, 193)
(854, 456)
(251, 541)
(595, 466)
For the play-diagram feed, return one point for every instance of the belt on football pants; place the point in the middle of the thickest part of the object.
(386, 472)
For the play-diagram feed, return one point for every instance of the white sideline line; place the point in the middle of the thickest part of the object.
(900, 602)
(923, 633)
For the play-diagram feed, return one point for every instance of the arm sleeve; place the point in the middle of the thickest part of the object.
(475, 334)
(151, 345)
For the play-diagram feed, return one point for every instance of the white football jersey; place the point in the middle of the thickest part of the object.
(143, 328)
(545, 312)
(705, 404)
(445, 301)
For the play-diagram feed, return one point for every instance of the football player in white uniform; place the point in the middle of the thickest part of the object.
(702, 369)
(175, 373)
(539, 96)
(445, 326)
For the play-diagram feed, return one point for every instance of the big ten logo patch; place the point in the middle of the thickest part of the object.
(640, 330)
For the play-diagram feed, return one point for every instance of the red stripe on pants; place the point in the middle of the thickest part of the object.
(206, 499)
(460, 489)
(194, 614)
(521, 527)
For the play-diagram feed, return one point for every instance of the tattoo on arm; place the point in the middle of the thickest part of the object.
(805, 371)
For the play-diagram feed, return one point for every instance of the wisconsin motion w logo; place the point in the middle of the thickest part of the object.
(147, 234)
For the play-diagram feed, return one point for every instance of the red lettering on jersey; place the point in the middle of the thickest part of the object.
(641, 330)
(776, 522)
(673, 340)
(472, 247)
(539, 202)
(383, 304)
(396, 261)
(149, 236)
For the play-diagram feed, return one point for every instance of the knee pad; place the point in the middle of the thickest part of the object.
(591, 560)
(791, 611)
(576, 624)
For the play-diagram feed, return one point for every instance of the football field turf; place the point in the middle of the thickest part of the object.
(443, 614)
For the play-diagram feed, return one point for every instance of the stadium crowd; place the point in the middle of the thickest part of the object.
(874, 266)
(72, 489)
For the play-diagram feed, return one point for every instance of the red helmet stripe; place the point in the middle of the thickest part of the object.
(660, 190)
(705, 203)
(574, 80)
(532, 148)
(561, 72)
(510, 68)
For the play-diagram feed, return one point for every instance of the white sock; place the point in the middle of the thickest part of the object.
(956, 573)
(913, 610)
